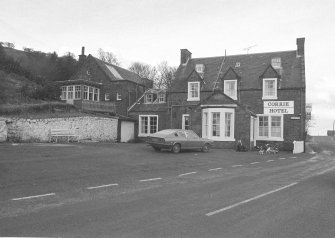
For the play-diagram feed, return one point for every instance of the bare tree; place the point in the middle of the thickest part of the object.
(108, 57)
(166, 75)
(144, 70)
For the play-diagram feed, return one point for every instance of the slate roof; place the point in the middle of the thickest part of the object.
(124, 73)
(251, 68)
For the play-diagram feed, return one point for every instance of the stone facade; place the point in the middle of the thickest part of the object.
(38, 130)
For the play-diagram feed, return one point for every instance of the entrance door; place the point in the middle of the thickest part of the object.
(127, 131)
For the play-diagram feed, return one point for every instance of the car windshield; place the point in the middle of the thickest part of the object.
(164, 132)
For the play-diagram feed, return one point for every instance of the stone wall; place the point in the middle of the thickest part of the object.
(38, 130)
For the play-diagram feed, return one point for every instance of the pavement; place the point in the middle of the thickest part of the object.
(128, 190)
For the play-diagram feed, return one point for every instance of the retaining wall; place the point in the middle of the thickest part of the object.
(38, 130)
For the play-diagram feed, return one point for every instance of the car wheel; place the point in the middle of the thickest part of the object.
(176, 148)
(157, 148)
(205, 148)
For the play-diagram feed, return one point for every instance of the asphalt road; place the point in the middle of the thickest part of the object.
(145, 194)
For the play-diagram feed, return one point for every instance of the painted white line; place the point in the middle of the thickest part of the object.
(249, 200)
(254, 163)
(282, 158)
(36, 196)
(236, 165)
(187, 174)
(103, 186)
(270, 160)
(293, 157)
(214, 169)
(152, 179)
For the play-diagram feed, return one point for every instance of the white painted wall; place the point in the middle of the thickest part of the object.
(91, 128)
(127, 131)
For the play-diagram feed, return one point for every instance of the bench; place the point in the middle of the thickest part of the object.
(62, 133)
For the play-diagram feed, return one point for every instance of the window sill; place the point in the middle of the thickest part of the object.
(269, 98)
(270, 139)
(220, 139)
(193, 99)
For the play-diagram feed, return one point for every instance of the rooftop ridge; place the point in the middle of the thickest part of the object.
(261, 53)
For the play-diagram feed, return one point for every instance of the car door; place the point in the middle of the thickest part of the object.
(193, 140)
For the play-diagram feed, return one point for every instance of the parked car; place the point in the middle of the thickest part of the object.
(177, 139)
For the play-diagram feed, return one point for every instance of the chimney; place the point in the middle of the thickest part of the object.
(185, 55)
(300, 47)
(82, 57)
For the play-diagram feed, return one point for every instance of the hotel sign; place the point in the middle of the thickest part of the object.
(279, 107)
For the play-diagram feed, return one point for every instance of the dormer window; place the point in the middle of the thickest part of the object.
(149, 98)
(230, 88)
(193, 91)
(200, 68)
(269, 88)
(276, 63)
(118, 96)
(161, 98)
(238, 64)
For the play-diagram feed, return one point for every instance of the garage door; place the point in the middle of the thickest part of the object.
(127, 131)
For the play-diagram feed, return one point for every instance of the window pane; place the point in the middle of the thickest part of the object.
(70, 92)
(205, 122)
(270, 88)
(77, 92)
(230, 88)
(144, 125)
(194, 90)
(227, 124)
(276, 126)
(85, 92)
(216, 124)
(153, 125)
(264, 126)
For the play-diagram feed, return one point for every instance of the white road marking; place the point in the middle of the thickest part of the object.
(293, 157)
(187, 174)
(270, 160)
(254, 163)
(249, 200)
(236, 165)
(152, 179)
(103, 186)
(282, 158)
(36, 196)
(214, 169)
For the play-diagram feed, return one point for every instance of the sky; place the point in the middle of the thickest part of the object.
(152, 31)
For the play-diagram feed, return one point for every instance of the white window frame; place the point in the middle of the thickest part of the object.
(269, 137)
(276, 63)
(189, 94)
(118, 97)
(96, 92)
(77, 92)
(264, 93)
(64, 93)
(107, 97)
(85, 95)
(200, 68)
(183, 121)
(140, 118)
(70, 91)
(228, 92)
(147, 96)
(207, 126)
(161, 98)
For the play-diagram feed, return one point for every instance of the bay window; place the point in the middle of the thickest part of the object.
(218, 124)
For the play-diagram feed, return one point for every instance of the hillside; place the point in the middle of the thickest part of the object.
(29, 76)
